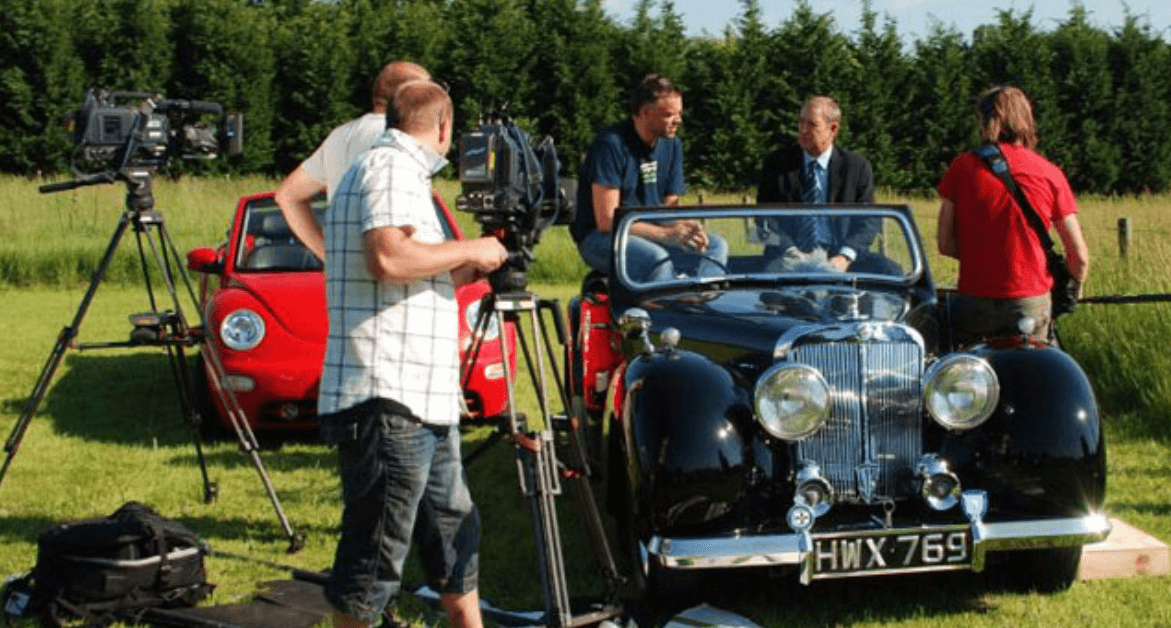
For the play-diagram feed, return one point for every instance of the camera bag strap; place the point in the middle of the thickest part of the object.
(992, 156)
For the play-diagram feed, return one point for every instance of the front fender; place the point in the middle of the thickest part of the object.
(1042, 453)
(686, 426)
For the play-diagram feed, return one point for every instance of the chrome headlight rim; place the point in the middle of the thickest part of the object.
(791, 382)
(966, 377)
(242, 330)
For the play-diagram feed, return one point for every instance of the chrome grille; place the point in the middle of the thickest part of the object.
(867, 448)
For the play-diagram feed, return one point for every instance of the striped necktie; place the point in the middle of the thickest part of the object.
(812, 232)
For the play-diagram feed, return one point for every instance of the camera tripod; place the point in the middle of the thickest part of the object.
(166, 328)
(539, 468)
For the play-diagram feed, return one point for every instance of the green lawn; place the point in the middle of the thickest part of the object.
(109, 431)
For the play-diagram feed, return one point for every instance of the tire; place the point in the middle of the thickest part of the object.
(671, 588)
(211, 426)
(1042, 571)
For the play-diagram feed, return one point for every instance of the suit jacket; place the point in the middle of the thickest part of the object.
(851, 180)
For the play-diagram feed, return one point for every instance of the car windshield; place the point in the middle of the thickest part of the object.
(823, 243)
(267, 244)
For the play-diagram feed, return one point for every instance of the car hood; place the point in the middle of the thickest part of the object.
(295, 300)
(753, 320)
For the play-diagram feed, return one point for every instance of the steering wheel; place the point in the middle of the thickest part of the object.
(702, 257)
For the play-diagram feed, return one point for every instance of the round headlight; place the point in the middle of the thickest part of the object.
(472, 316)
(961, 391)
(242, 330)
(792, 401)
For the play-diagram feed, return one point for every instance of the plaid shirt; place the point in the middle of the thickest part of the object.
(389, 340)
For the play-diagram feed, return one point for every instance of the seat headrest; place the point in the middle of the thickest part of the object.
(274, 226)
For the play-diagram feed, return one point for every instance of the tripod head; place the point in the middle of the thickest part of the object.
(139, 193)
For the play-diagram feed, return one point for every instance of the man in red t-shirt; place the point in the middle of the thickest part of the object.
(1003, 271)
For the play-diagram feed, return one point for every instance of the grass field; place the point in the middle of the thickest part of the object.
(109, 429)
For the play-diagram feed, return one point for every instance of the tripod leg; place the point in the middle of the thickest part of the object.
(249, 445)
(164, 252)
(185, 384)
(64, 339)
(178, 336)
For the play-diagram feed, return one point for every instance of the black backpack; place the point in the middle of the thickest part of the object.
(112, 568)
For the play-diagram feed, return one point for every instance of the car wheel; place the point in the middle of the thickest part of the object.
(211, 426)
(616, 491)
(668, 588)
(1042, 571)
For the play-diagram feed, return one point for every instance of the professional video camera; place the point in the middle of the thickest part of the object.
(115, 130)
(514, 188)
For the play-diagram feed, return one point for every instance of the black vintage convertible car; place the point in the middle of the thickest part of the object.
(770, 410)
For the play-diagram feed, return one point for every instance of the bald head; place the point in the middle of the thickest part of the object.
(392, 76)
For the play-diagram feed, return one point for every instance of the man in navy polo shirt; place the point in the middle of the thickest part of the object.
(639, 161)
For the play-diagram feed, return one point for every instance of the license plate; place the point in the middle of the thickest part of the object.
(841, 555)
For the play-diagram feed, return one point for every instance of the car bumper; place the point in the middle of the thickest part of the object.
(797, 549)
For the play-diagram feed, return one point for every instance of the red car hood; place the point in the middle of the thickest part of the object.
(295, 300)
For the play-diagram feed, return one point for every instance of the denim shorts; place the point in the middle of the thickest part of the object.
(399, 476)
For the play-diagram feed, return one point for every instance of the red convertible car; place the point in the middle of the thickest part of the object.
(262, 295)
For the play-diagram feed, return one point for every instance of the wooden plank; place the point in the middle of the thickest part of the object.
(1126, 553)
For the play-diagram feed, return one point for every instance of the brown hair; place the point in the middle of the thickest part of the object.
(420, 105)
(392, 76)
(651, 88)
(1006, 116)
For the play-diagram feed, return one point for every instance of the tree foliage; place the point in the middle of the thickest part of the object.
(563, 68)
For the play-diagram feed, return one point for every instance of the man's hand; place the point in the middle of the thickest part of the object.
(840, 262)
(486, 254)
(688, 234)
(492, 256)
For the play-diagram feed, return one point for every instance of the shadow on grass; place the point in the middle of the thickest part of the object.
(126, 398)
(211, 529)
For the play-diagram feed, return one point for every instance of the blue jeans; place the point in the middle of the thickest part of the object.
(398, 476)
(651, 261)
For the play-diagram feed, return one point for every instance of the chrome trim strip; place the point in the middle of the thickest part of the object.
(758, 550)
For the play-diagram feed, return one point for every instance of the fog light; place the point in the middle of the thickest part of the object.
(813, 490)
(238, 383)
(289, 412)
(938, 486)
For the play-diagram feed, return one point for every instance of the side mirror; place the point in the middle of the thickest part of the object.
(204, 260)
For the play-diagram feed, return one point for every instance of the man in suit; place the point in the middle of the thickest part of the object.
(816, 171)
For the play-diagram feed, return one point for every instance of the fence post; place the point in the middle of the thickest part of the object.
(1123, 236)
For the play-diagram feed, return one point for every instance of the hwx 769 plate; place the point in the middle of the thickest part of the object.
(842, 555)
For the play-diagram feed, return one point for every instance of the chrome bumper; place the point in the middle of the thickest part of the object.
(796, 549)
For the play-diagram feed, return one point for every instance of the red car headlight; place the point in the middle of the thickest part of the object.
(491, 331)
(242, 330)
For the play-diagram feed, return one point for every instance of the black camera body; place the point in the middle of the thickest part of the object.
(114, 130)
(513, 187)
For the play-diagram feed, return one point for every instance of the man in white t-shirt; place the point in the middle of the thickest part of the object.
(323, 170)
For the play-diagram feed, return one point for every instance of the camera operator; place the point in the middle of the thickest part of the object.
(323, 170)
(390, 388)
(639, 161)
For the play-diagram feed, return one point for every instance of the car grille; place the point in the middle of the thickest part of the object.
(868, 447)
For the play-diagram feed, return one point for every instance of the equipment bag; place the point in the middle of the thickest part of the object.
(111, 568)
